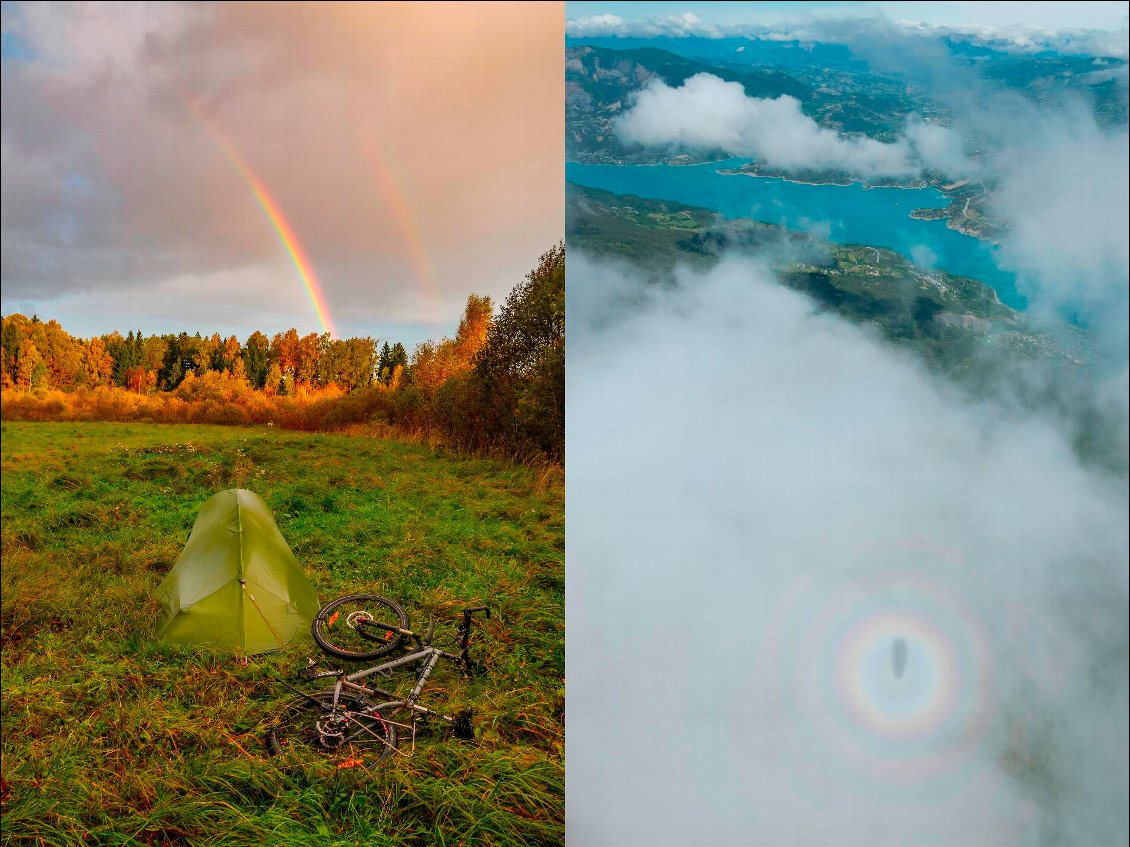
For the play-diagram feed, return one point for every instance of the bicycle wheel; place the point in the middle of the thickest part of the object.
(356, 728)
(349, 627)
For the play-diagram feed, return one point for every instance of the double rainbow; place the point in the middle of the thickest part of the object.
(271, 209)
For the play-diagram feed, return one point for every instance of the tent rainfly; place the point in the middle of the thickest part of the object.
(236, 585)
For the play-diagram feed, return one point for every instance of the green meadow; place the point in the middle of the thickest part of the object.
(112, 739)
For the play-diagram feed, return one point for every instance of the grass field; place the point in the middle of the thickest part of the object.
(112, 739)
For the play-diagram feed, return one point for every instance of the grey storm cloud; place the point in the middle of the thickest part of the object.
(392, 140)
(764, 500)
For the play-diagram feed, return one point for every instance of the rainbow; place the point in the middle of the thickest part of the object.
(384, 176)
(271, 209)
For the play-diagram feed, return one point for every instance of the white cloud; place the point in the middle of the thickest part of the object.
(1063, 193)
(672, 26)
(1030, 37)
(1095, 29)
(707, 113)
(595, 25)
(937, 147)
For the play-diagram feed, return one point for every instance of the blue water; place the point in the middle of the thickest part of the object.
(844, 214)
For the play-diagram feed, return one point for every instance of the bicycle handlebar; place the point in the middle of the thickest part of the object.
(473, 609)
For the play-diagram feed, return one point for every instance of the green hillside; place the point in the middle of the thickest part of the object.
(949, 320)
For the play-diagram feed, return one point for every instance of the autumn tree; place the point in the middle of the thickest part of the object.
(434, 363)
(522, 364)
(274, 379)
(153, 351)
(306, 364)
(256, 359)
(10, 338)
(359, 363)
(473, 329)
(284, 351)
(98, 366)
(238, 371)
(62, 354)
(30, 369)
(139, 380)
(208, 353)
(329, 355)
(231, 356)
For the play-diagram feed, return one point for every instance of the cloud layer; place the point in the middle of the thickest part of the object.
(1059, 181)
(1065, 197)
(706, 113)
(414, 161)
(1079, 28)
(762, 501)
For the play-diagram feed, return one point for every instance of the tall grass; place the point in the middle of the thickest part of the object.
(110, 738)
(216, 398)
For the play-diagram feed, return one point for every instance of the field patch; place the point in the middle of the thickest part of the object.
(110, 738)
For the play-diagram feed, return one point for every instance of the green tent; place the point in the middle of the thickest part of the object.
(236, 585)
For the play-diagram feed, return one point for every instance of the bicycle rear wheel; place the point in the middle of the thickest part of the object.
(351, 627)
(356, 731)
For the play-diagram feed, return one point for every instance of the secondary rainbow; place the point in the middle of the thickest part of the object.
(271, 209)
(384, 176)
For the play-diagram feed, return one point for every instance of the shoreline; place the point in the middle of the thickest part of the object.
(950, 222)
(863, 184)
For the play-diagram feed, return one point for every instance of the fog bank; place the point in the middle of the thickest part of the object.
(764, 504)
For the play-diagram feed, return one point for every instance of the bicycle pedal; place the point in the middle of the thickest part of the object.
(462, 728)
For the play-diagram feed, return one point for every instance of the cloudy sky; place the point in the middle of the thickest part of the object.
(231, 167)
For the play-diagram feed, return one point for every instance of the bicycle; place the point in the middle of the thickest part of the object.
(346, 718)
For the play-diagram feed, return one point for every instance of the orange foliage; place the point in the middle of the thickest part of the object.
(215, 397)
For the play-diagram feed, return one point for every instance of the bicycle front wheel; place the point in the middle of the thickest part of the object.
(355, 627)
(355, 731)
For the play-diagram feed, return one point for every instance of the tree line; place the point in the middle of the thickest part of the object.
(500, 382)
(37, 355)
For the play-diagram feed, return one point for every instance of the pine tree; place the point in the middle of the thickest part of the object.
(399, 356)
(384, 368)
(256, 359)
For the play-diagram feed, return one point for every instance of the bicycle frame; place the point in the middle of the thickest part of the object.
(424, 652)
(430, 656)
